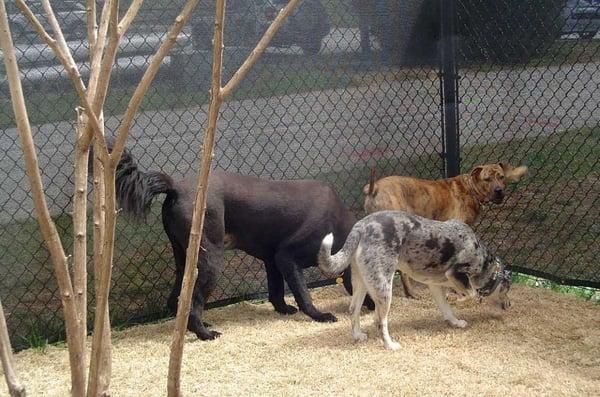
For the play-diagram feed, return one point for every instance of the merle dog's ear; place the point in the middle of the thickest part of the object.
(476, 171)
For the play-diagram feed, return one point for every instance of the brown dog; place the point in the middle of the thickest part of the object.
(461, 197)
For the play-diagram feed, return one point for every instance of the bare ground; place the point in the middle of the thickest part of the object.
(547, 343)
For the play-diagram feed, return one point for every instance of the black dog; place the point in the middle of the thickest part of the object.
(281, 223)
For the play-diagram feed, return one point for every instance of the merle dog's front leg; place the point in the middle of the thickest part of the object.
(347, 278)
(277, 289)
(295, 280)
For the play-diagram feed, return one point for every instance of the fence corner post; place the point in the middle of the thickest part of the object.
(449, 88)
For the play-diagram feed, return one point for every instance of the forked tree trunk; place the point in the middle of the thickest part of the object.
(57, 253)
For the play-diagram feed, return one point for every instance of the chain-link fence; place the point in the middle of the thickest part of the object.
(529, 75)
(345, 85)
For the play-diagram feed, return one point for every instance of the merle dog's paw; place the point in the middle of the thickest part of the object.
(325, 318)
(207, 335)
(286, 309)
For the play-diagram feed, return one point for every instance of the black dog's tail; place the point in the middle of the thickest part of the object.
(136, 189)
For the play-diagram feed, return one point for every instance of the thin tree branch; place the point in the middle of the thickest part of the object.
(58, 34)
(68, 63)
(149, 74)
(132, 11)
(96, 57)
(100, 73)
(259, 49)
(92, 27)
(15, 388)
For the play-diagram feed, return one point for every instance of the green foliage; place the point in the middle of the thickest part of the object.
(590, 294)
(34, 338)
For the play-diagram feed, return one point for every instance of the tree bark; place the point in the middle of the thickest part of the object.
(80, 230)
(101, 336)
(47, 226)
(15, 388)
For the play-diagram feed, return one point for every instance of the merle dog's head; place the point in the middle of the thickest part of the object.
(498, 284)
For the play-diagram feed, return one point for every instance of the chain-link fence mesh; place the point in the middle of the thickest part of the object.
(529, 75)
(345, 85)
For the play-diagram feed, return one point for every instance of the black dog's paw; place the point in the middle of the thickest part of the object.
(207, 335)
(286, 309)
(369, 304)
(325, 318)
(172, 308)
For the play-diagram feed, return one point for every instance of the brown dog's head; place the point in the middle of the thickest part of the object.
(490, 180)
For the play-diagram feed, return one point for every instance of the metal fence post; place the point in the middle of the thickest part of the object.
(449, 85)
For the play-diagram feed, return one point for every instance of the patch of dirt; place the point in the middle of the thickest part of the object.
(546, 344)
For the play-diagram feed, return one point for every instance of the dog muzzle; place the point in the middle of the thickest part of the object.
(498, 286)
(500, 276)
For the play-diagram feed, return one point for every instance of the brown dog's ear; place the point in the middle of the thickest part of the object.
(515, 174)
(507, 168)
(476, 171)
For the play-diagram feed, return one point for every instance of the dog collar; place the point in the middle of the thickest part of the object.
(475, 194)
(493, 283)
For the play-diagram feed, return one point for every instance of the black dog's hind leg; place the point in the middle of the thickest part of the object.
(277, 289)
(179, 254)
(210, 262)
(295, 280)
(347, 278)
(173, 300)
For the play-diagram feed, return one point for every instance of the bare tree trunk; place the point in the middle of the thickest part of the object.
(102, 382)
(103, 270)
(57, 253)
(262, 44)
(15, 388)
(101, 345)
(80, 229)
(217, 94)
(191, 272)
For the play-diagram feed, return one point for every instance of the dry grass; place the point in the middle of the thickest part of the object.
(547, 343)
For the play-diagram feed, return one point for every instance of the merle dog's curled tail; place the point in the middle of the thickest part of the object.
(335, 264)
(136, 189)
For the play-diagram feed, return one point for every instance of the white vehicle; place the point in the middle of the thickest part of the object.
(71, 17)
(582, 17)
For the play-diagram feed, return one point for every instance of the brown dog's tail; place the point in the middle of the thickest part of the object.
(370, 190)
(372, 182)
